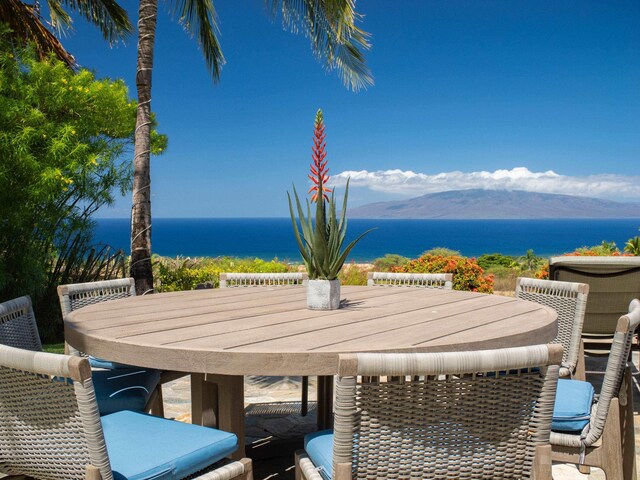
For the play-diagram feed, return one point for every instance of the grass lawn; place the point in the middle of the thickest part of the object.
(54, 347)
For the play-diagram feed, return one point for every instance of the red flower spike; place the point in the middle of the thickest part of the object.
(319, 171)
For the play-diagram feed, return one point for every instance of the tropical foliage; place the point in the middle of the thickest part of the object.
(442, 251)
(174, 274)
(529, 261)
(62, 140)
(496, 260)
(28, 26)
(467, 274)
(320, 243)
(633, 246)
(604, 249)
(388, 262)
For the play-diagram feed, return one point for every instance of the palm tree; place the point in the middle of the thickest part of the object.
(28, 25)
(335, 39)
(530, 260)
(633, 246)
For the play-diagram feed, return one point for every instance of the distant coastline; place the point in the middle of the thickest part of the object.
(497, 204)
(269, 238)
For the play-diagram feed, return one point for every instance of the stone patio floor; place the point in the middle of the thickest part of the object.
(275, 429)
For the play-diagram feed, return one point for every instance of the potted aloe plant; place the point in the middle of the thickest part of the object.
(320, 243)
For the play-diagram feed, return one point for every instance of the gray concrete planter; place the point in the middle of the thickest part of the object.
(323, 294)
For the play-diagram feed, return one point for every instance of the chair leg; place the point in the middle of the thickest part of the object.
(304, 402)
(542, 463)
(580, 373)
(627, 429)
(155, 405)
(92, 473)
(298, 473)
(248, 469)
(611, 451)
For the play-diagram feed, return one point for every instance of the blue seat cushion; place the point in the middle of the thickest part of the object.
(319, 447)
(106, 364)
(143, 447)
(124, 388)
(572, 409)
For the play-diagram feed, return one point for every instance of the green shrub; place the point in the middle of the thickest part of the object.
(442, 252)
(467, 274)
(354, 274)
(175, 274)
(493, 260)
(605, 249)
(389, 261)
(504, 278)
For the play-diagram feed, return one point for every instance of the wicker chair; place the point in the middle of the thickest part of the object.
(75, 296)
(50, 429)
(483, 414)
(234, 280)
(428, 280)
(228, 280)
(569, 301)
(78, 295)
(128, 389)
(607, 441)
(18, 327)
(613, 283)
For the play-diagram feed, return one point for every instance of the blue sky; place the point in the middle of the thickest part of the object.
(537, 95)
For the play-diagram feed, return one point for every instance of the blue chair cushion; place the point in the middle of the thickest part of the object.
(124, 388)
(143, 447)
(106, 364)
(319, 447)
(572, 409)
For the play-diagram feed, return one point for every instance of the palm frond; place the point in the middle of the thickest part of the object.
(107, 15)
(335, 38)
(60, 19)
(200, 19)
(26, 26)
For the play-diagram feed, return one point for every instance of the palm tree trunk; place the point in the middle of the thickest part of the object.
(141, 269)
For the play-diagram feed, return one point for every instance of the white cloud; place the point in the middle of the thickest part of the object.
(408, 183)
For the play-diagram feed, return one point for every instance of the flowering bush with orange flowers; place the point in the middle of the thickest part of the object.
(467, 274)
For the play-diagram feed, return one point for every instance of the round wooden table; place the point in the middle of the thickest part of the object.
(223, 334)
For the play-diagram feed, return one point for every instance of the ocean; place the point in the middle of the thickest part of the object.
(269, 238)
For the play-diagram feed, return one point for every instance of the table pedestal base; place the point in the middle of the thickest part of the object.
(217, 401)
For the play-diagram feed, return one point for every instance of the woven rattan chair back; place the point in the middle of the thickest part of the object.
(613, 283)
(78, 295)
(18, 326)
(49, 423)
(569, 300)
(427, 280)
(476, 414)
(228, 280)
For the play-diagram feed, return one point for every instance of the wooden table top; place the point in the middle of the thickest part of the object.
(269, 330)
